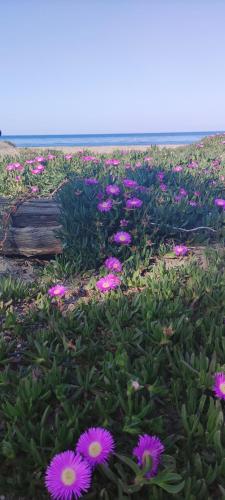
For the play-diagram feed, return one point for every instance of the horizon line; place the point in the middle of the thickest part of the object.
(111, 133)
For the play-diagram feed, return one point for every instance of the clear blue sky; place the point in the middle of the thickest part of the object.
(102, 66)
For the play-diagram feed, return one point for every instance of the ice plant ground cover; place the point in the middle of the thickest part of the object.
(143, 359)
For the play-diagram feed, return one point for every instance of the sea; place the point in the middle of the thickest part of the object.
(90, 140)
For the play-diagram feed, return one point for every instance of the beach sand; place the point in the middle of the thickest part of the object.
(6, 149)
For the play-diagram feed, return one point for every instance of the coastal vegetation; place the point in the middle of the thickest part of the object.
(112, 359)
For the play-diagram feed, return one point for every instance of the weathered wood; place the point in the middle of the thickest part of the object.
(32, 229)
(30, 241)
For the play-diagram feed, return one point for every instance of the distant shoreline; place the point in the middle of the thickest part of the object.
(7, 150)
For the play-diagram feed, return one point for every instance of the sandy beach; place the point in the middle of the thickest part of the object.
(6, 149)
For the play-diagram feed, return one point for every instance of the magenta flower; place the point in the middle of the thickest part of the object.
(122, 238)
(109, 282)
(18, 178)
(113, 264)
(89, 158)
(95, 445)
(163, 187)
(34, 189)
(68, 476)
(15, 166)
(40, 159)
(127, 165)
(38, 170)
(51, 157)
(112, 189)
(183, 192)
(115, 163)
(177, 168)
(193, 164)
(138, 164)
(105, 206)
(152, 447)
(57, 291)
(112, 161)
(197, 193)
(10, 167)
(124, 223)
(220, 202)
(133, 203)
(68, 157)
(180, 250)
(178, 198)
(160, 176)
(130, 183)
(29, 162)
(91, 181)
(193, 203)
(200, 145)
(149, 159)
(219, 385)
(18, 166)
(215, 163)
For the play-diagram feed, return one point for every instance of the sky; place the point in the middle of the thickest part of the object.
(111, 66)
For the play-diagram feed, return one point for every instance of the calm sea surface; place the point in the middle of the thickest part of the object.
(106, 139)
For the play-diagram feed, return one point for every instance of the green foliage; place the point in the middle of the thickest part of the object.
(65, 369)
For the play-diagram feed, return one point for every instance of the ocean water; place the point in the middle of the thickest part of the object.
(106, 139)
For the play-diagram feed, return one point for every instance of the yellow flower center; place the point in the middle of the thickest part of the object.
(105, 284)
(94, 449)
(122, 238)
(145, 455)
(222, 387)
(68, 476)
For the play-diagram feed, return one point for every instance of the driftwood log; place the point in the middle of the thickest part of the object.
(32, 229)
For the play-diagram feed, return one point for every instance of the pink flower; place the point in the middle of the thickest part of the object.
(40, 159)
(96, 445)
(183, 192)
(18, 178)
(149, 447)
(132, 203)
(122, 238)
(113, 190)
(67, 476)
(29, 162)
(130, 183)
(149, 159)
(51, 157)
(112, 161)
(193, 164)
(38, 170)
(178, 198)
(124, 222)
(105, 206)
(109, 282)
(57, 291)
(193, 203)
(34, 189)
(138, 164)
(220, 202)
(180, 250)
(68, 157)
(177, 168)
(15, 166)
(219, 385)
(91, 181)
(160, 176)
(163, 187)
(113, 264)
(197, 193)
